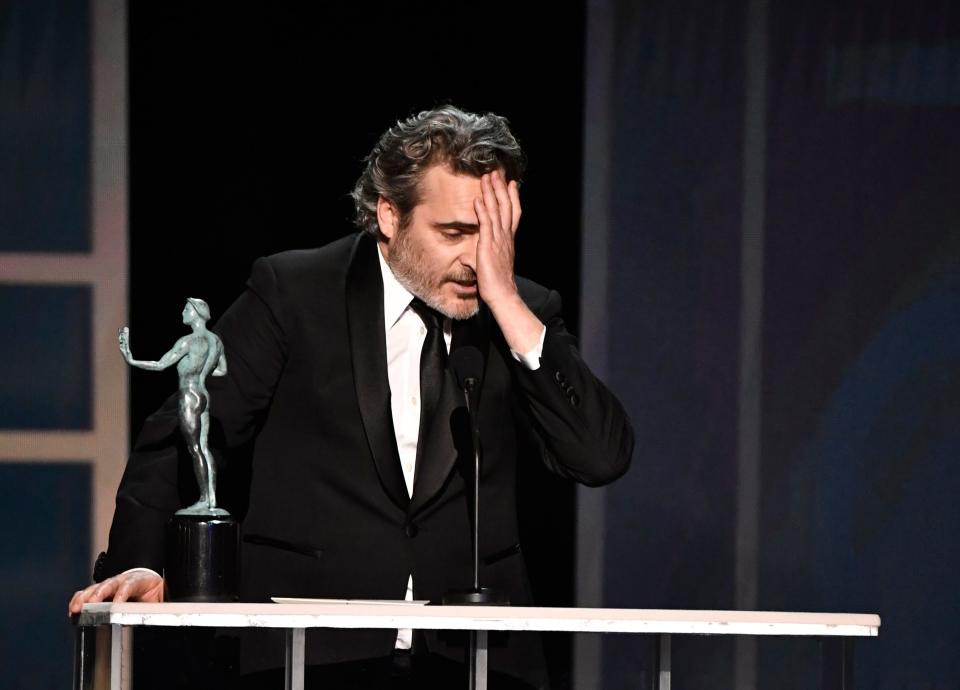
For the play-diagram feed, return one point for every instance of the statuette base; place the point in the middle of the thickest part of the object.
(202, 558)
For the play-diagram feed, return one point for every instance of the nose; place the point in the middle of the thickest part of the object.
(468, 256)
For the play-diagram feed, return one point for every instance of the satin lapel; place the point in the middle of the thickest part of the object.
(365, 319)
(449, 433)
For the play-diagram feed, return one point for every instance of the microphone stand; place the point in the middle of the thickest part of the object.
(477, 639)
(470, 391)
(476, 594)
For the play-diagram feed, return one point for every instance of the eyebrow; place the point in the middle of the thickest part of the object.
(457, 225)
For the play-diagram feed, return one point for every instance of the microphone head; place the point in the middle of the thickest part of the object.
(466, 363)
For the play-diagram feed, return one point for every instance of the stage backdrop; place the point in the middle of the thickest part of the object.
(771, 282)
(63, 388)
(776, 218)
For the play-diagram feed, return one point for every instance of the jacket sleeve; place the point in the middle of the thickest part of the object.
(158, 479)
(581, 428)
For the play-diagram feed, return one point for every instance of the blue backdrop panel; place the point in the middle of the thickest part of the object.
(861, 328)
(45, 357)
(44, 126)
(673, 297)
(45, 526)
(862, 335)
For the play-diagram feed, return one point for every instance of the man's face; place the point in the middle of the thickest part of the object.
(435, 255)
(189, 313)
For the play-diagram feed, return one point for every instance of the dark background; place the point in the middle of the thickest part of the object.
(248, 126)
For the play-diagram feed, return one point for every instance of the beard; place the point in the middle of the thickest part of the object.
(410, 267)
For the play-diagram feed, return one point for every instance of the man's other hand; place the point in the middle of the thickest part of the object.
(133, 585)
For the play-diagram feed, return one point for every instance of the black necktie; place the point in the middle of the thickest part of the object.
(433, 364)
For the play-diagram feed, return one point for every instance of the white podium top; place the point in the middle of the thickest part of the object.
(390, 615)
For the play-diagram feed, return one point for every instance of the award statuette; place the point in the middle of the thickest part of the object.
(202, 540)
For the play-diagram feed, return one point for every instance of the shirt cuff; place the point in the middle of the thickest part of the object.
(531, 359)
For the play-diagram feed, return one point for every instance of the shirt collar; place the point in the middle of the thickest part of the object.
(396, 298)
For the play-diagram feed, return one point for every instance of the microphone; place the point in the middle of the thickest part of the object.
(467, 365)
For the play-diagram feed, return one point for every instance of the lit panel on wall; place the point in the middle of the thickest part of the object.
(45, 357)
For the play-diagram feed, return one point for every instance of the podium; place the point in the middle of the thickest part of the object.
(842, 628)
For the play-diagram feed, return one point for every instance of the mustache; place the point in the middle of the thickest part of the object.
(467, 275)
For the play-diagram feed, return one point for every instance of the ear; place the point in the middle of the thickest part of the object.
(388, 217)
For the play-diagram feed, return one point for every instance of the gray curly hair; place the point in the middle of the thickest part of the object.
(468, 143)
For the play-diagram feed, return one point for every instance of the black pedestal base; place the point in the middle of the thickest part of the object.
(466, 597)
(202, 558)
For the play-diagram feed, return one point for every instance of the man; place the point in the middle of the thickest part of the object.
(360, 458)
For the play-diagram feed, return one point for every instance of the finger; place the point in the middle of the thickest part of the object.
(504, 202)
(491, 204)
(103, 591)
(483, 217)
(123, 592)
(151, 591)
(154, 592)
(76, 602)
(513, 189)
(90, 595)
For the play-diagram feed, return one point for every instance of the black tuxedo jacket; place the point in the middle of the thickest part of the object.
(303, 424)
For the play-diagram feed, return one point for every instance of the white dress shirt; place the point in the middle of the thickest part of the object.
(404, 334)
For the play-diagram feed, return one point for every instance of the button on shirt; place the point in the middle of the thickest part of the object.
(405, 333)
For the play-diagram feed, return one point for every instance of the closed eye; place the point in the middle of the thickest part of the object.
(454, 229)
